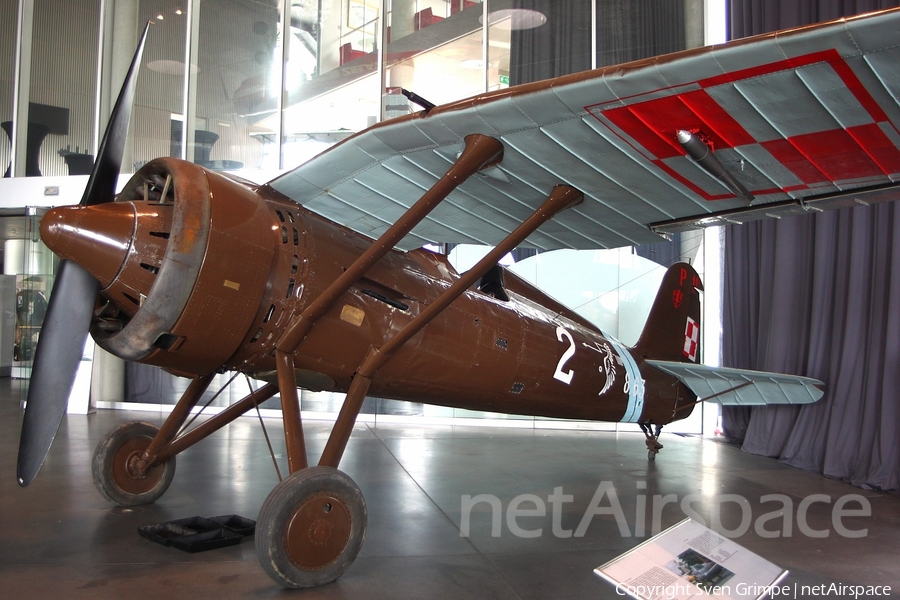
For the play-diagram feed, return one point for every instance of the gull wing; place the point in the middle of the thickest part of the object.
(800, 120)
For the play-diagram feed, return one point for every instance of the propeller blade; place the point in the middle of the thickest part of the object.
(101, 186)
(55, 363)
(71, 305)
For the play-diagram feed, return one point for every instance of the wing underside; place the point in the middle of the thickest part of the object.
(742, 387)
(803, 120)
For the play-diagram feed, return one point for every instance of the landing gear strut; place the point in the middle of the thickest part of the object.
(313, 523)
(653, 445)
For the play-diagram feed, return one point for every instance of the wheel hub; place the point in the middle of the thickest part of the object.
(136, 465)
(129, 470)
(318, 532)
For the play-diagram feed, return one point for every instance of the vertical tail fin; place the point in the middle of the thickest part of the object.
(672, 331)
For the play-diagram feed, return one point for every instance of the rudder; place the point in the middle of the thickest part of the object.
(672, 331)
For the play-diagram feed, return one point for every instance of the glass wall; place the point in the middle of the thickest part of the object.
(158, 114)
(238, 76)
(270, 83)
(332, 75)
(28, 273)
(435, 49)
(62, 97)
(8, 18)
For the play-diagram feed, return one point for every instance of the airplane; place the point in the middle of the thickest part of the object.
(318, 279)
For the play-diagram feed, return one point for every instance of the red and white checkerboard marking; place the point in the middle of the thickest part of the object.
(796, 155)
(691, 339)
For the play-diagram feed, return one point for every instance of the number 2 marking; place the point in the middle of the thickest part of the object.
(564, 376)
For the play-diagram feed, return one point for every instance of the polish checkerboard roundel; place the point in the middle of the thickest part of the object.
(691, 339)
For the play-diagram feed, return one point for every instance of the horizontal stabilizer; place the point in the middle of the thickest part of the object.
(741, 387)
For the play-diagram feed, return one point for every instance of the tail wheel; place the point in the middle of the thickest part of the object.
(113, 466)
(311, 527)
(653, 447)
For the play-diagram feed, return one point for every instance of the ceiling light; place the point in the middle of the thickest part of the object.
(515, 18)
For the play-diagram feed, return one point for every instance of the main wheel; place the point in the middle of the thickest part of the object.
(114, 461)
(311, 527)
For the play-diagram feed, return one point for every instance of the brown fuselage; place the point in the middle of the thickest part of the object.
(240, 262)
(482, 353)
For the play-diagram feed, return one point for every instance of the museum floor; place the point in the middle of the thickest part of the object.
(60, 539)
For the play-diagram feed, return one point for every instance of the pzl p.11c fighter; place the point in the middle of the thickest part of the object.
(317, 279)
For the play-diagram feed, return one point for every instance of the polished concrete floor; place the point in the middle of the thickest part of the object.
(60, 539)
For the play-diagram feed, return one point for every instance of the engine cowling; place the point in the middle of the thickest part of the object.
(183, 256)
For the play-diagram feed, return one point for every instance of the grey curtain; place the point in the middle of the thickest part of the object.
(634, 29)
(751, 17)
(626, 30)
(560, 46)
(818, 295)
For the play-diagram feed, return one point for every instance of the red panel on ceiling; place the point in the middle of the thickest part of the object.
(878, 145)
(706, 195)
(665, 116)
(859, 90)
(653, 123)
(630, 122)
(837, 155)
(785, 153)
(862, 152)
(690, 184)
(717, 123)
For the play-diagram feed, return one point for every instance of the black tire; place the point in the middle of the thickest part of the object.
(311, 527)
(109, 466)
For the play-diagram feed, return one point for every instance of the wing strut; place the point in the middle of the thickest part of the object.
(561, 198)
(480, 152)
